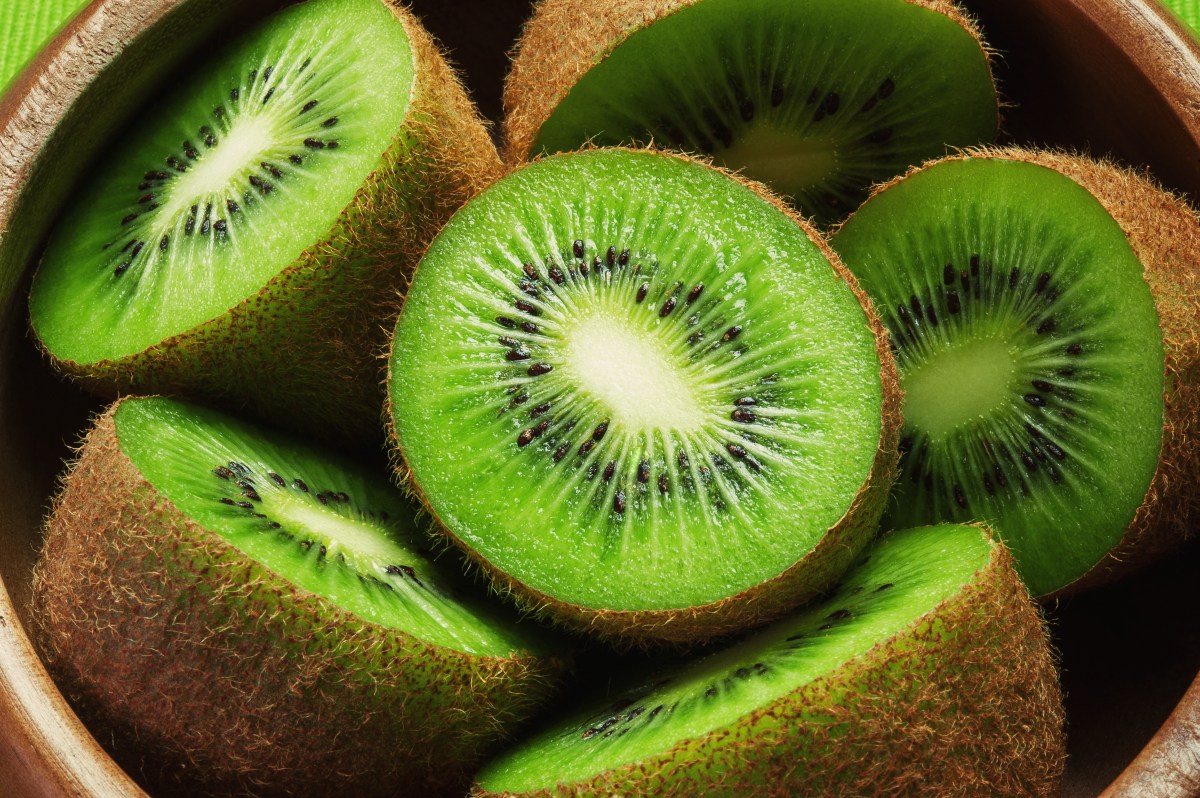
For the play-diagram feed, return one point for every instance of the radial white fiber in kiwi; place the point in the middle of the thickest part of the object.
(1045, 319)
(818, 99)
(643, 395)
(236, 612)
(247, 238)
(926, 672)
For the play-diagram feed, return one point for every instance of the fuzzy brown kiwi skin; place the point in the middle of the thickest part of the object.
(963, 703)
(207, 674)
(305, 351)
(566, 38)
(1163, 230)
(755, 605)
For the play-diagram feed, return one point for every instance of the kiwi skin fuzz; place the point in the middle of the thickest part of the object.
(206, 673)
(1164, 232)
(304, 352)
(765, 601)
(569, 37)
(965, 702)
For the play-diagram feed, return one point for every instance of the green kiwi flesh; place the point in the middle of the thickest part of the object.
(247, 237)
(638, 390)
(819, 99)
(241, 612)
(927, 668)
(25, 29)
(1030, 352)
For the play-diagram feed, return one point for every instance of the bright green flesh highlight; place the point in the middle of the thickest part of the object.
(1038, 410)
(149, 251)
(817, 99)
(715, 496)
(343, 534)
(908, 574)
(1187, 10)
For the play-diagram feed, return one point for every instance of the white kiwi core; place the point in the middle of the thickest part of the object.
(959, 385)
(631, 376)
(781, 158)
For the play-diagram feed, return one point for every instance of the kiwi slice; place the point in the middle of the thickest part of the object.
(247, 238)
(238, 612)
(818, 99)
(1045, 313)
(645, 397)
(926, 669)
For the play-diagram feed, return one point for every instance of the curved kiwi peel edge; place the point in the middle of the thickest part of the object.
(274, 355)
(1164, 231)
(208, 672)
(759, 603)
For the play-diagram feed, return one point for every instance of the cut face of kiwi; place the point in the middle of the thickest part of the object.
(647, 399)
(1025, 317)
(248, 237)
(244, 613)
(927, 666)
(819, 99)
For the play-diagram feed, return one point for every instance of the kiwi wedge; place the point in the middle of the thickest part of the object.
(246, 240)
(1045, 312)
(818, 99)
(645, 397)
(236, 612)
(928, 669)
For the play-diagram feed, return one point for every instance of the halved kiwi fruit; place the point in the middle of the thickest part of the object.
(235, 612)
(646, 397)
(927, 670)
(818, 99)
(248, 238)
(1045, 312)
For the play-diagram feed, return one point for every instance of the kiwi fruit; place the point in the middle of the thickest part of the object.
(235, 612)
(247, 240)
(644, 396)
(818, 99)
(926, 672)
(1045, 312)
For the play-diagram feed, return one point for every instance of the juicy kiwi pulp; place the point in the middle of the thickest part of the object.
(627, 382)
(251, 163)
(762, 716)
(819, 100)
(1030, 353)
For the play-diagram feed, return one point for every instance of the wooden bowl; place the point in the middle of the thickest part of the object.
(1109, 76)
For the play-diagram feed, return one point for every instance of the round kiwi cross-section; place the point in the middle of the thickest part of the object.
(1024, 305)
(819, 99)
(248, 237)
(643, 395)
(928, 668)
(247, 613)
